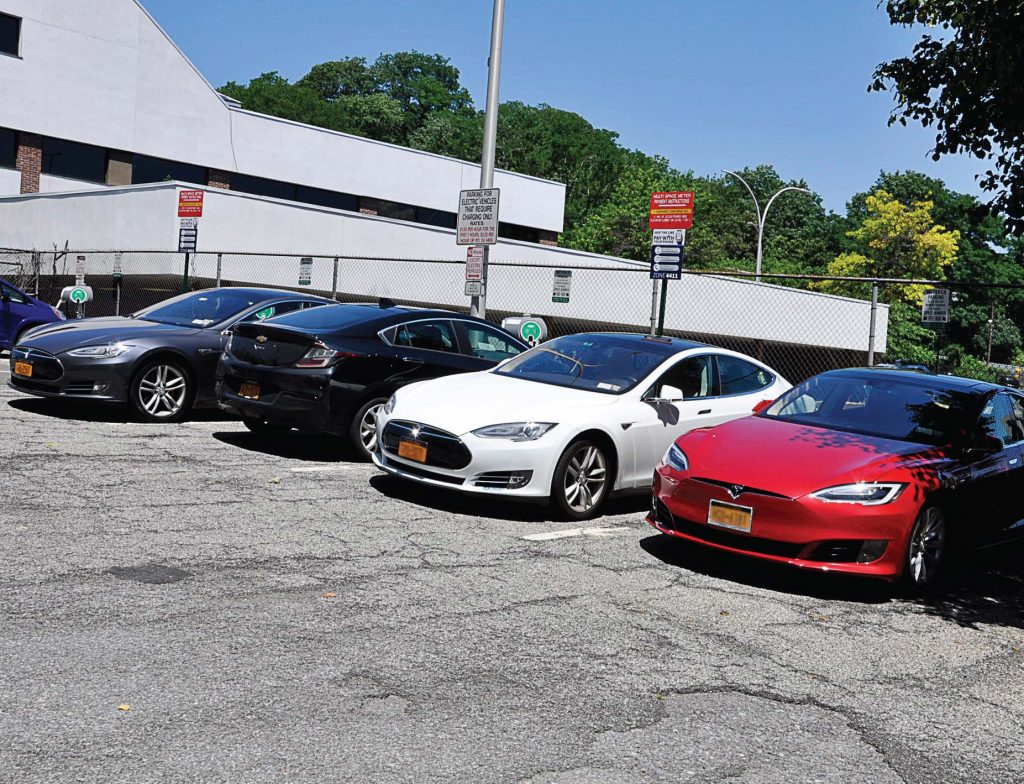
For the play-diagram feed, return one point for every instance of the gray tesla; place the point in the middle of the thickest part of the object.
(160, 361)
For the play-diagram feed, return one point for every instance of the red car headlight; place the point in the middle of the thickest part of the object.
(863, 493)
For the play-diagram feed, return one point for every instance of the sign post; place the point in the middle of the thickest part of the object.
(190, 210)
(478, 226)
(671, 215)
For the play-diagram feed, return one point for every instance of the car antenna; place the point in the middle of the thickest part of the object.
(387, 303)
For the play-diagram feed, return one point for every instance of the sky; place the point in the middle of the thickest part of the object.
(709, 85)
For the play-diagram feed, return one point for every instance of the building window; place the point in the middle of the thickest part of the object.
(258, 186)
(8, 148)
(10, 34)
(322, 198)
(145, 169)
(512, 231)
(431, 217)
(75, 161)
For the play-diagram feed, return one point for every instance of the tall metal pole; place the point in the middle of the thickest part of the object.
(478, 304)
(762, 217)
(874, 322)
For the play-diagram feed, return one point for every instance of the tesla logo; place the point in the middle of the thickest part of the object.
(415, 432)
(736, 490)
(261, 339)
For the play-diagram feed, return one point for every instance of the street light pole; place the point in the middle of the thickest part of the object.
(762, 217)
(478, 304)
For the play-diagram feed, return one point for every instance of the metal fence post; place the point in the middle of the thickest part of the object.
(874, 316)
(654, 307)
(220, 262)
(334, 283)
(661, 310)
(184, 277)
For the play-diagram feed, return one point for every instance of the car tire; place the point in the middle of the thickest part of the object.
(582, 480)
(162, 391)
(362, 433)
(926, 561)
(261, 427)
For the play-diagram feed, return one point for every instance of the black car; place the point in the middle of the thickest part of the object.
(332, 370)
(161, 361)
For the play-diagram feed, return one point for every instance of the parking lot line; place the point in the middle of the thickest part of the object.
(568, 533)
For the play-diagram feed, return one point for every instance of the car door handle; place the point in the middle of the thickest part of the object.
(209, 351)
(1015, 461)
(705, 411)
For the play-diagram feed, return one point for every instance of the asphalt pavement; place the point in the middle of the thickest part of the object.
(192, 603)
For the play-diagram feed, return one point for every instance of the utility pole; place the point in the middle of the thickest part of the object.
(761, 216)
(478, 304)
(991, 329)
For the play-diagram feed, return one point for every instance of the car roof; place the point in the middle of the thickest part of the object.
(669, 345)
(917, 378)
(264, 294)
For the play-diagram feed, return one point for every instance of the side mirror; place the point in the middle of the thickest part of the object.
(764, 404)
(985, 445)
(671, 394)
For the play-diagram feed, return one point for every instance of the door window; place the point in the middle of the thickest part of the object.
(739, 377)
(694, 376)
(490, 344)
(14, 295)
(1001, 419)
(277, 309)
(427, 335)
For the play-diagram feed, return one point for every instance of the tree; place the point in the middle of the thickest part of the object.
(896, 241)
(966, 83)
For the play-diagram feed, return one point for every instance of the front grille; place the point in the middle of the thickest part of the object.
(79, 388)
(45, 366)
(730, 487)
(444, 450)
(837, 551)
(725, 538)
(408, 469)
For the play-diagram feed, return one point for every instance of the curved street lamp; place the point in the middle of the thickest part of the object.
(762, 216)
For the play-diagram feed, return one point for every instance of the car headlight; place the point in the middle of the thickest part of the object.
(863, 493)
(101, 352)
(675, 458)
(390, 405)
(515, 431)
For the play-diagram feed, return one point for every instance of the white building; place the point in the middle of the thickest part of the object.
(100, 109)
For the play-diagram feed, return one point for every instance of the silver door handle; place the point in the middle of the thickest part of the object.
(705, 411)
(1015, 461)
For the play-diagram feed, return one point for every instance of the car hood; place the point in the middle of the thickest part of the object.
(794, 460)
(66, 335)
(469, 401)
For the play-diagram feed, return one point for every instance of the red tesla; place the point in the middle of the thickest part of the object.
(882, 473)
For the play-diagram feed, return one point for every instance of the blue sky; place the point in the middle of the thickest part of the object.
(710, 85)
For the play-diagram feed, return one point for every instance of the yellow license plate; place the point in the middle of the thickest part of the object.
(412, 451)
(738, 518)
(249, 390)
(23, 369)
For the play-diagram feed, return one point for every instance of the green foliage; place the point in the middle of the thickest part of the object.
(964, 79)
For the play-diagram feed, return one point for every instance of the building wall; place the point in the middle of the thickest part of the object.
(145, 218)
(102, 72)
(10, 182)
(49, 183)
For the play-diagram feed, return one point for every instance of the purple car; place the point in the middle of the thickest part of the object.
(19, 312)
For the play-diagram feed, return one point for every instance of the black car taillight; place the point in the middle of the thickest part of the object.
(321, 356)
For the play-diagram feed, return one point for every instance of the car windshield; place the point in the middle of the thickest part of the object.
(881, 406)
(201, 309)
(600, 363)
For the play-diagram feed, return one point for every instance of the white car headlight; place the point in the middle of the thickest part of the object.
(515, 431)
(390, 405)
(101, 352)
(863, 493)
(675, 458)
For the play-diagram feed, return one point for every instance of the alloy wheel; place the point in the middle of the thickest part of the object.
(163, 391)
(368, 427)
(585, 478)
(927, 546)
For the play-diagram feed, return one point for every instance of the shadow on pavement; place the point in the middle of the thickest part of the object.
(763, 574)
(984, 588)
(79, 411)
(292, 445)
(495, 507)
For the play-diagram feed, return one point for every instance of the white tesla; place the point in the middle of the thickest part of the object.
(572, 420)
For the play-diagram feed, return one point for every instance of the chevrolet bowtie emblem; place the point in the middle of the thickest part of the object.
(261, 339)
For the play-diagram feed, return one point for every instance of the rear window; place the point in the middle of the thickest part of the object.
(334, 318)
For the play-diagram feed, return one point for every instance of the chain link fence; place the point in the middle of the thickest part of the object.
(788, 322)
